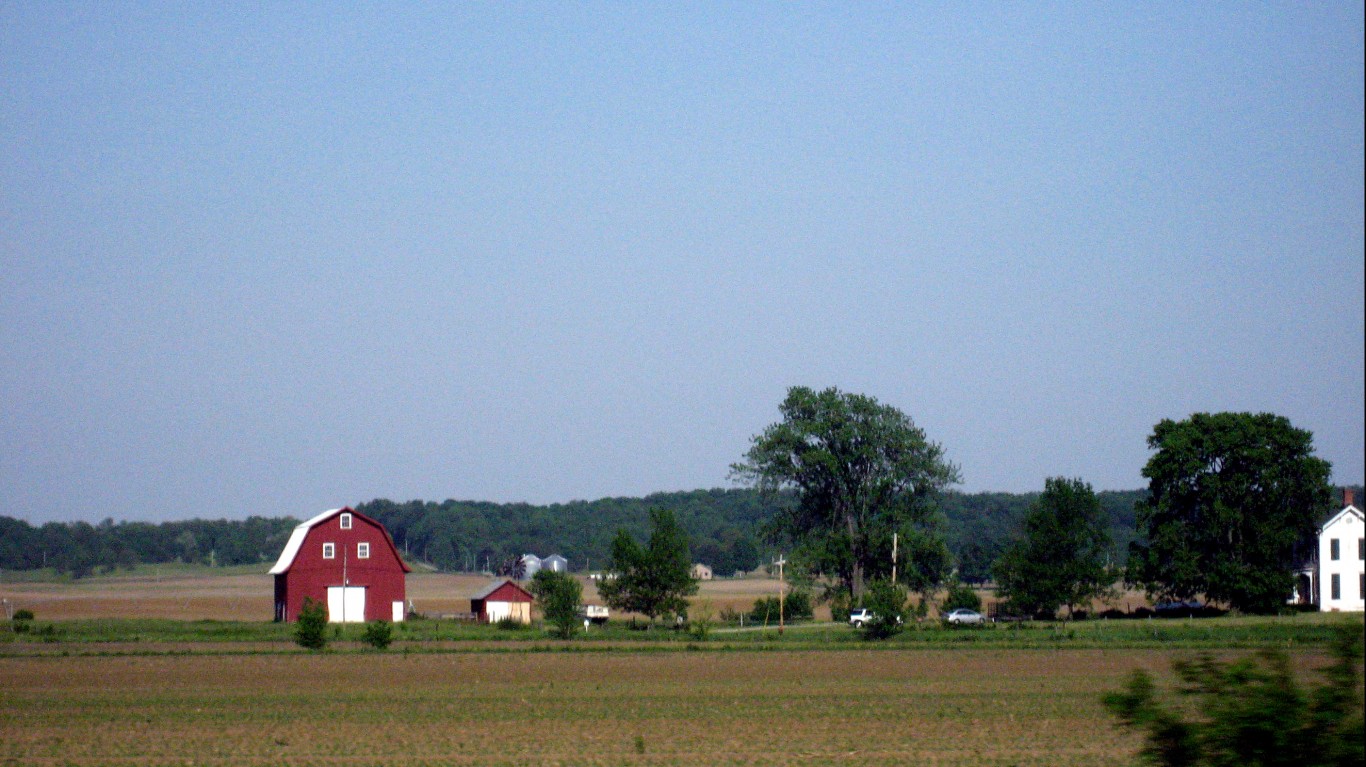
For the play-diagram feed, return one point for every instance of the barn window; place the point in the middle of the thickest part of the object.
(1334, 549)
(362, 551)
(329, 551)
(346, 521)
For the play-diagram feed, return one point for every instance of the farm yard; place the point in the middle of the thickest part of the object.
(182, 668)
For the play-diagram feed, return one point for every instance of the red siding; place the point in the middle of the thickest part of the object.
(309, 575)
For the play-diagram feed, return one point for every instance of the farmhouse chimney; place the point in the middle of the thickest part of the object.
(1349, 497)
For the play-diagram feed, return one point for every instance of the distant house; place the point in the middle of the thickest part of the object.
(555, 564)
(701, 572)
(501, 599)
(1332, 574)
(345, 560)
(531, 564)
(1342, 560)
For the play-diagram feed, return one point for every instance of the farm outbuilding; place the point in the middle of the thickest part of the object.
(501, 599)
(345, 560)
(555, 564)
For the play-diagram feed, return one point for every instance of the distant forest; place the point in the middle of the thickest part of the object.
(726, 527)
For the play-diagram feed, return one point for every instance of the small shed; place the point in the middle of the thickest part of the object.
(555, 564)
(502, 599)
(701, 572)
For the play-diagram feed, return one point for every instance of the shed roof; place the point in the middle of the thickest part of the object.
(495, 586)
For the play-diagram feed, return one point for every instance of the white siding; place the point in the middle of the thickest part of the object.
(1347, 528)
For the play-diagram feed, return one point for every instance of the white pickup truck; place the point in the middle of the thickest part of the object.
(860, 616)
(863, 615)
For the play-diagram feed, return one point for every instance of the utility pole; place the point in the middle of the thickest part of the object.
(893, 557)
(780, 562)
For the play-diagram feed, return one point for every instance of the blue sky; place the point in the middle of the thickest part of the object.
(274, 258)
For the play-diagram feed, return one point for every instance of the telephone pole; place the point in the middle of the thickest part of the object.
(780, 562)
(893, 557)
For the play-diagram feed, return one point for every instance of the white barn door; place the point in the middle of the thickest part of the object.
(346, 604)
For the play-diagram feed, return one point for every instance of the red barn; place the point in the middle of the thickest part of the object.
(345, 560)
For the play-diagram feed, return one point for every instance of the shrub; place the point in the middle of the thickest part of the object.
(961, 595)
(22, 622)
(510, 623)
(795, 606)
(1251, 712)
(311, 630)
(888, 603)
(379, 634)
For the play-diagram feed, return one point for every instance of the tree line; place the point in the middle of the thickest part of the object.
(726, 529)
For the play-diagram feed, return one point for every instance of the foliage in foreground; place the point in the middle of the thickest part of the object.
(1252, 713)
(311, 629)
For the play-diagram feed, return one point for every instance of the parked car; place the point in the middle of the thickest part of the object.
(963, 616)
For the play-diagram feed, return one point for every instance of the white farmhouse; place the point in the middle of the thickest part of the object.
(1342, 560)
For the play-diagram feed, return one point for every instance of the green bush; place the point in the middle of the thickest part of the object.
(888, 603)
(1252, 712)
(311, 630)
(22, 622)
(510, 623)
(795, 606)
(379, 634)
(961, 595)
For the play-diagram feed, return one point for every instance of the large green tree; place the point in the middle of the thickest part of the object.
(861, 471)
(1229, 496)
(1061, 555)
(654, 579)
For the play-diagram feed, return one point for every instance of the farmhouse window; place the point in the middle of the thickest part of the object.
(346, 521)
(1361, 548)
(329, 551)
(1334, 549)
(1337, 586)
(362, 551)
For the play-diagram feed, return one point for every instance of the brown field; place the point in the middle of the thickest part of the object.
(864, 707)
(198, 596)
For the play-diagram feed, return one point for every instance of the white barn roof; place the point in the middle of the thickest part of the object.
(296, 540)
